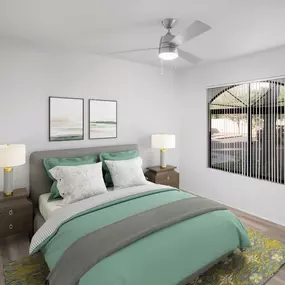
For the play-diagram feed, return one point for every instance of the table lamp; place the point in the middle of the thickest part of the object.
(11, 155)
(163, 142)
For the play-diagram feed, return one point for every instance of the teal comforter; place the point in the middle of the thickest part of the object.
(163, 258)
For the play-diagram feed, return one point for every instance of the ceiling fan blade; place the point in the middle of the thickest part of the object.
(131, 50)
(196, 29)
(188, 56)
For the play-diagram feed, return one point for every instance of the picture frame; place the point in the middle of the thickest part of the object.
(103, 120)
(66, 119)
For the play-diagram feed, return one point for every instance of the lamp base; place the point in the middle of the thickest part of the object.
(8, 182)
(162, 158)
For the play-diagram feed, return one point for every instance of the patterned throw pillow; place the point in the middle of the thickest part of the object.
(51, 162)
(123, 155)
(76, 183)
(126, 173)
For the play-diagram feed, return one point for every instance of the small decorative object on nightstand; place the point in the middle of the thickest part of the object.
(165, 176)
(163, 142)
(11, 155)
(16, 213)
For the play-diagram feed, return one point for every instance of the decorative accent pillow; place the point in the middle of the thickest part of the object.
(76, 183)
(124, 155)
(52, 162)
(126, 173)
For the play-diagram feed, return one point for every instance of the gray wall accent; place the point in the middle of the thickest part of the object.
(146, 100)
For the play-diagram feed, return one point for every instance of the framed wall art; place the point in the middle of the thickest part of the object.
(66, 119)
(102, 119)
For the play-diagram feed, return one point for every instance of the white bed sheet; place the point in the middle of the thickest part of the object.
(47, 207)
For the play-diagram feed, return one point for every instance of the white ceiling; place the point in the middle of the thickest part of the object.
(239, 27)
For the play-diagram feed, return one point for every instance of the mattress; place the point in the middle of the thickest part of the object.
(48, 207)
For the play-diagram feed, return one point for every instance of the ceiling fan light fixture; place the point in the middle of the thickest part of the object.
(168, 53)
(169, 45)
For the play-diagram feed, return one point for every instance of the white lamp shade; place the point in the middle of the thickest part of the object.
(163, 141)
(12, 155)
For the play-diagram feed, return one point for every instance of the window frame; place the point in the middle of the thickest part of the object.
(251, 111)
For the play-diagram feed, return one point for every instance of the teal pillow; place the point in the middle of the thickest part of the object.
(124, 155)
(52, 162)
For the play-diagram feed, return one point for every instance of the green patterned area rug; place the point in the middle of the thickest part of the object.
(255, 266)
(31, 270)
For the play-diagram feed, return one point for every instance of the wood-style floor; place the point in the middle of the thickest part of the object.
(17, 246)
(12, 248)
(270, 229)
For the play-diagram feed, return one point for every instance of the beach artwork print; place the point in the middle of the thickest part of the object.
(102, 119)
(66, 119)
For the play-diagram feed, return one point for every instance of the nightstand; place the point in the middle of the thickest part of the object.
(16, 213)
(165, 176)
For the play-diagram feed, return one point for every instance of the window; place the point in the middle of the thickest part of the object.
(246, 129)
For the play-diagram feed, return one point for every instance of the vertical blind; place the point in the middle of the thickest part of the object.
(246, 129)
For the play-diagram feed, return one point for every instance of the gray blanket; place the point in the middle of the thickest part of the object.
(86, 252)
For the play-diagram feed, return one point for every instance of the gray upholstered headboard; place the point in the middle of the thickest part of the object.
(40, 183)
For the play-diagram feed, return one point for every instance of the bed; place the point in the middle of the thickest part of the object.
(169, 253)
(40, 183)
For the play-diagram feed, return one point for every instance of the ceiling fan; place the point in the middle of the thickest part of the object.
(169, 44)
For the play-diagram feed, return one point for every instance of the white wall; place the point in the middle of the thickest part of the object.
(147, 103)
(257, 197)
(146, 100)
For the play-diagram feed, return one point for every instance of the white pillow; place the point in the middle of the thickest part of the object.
(79, 182)
(126, 173)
